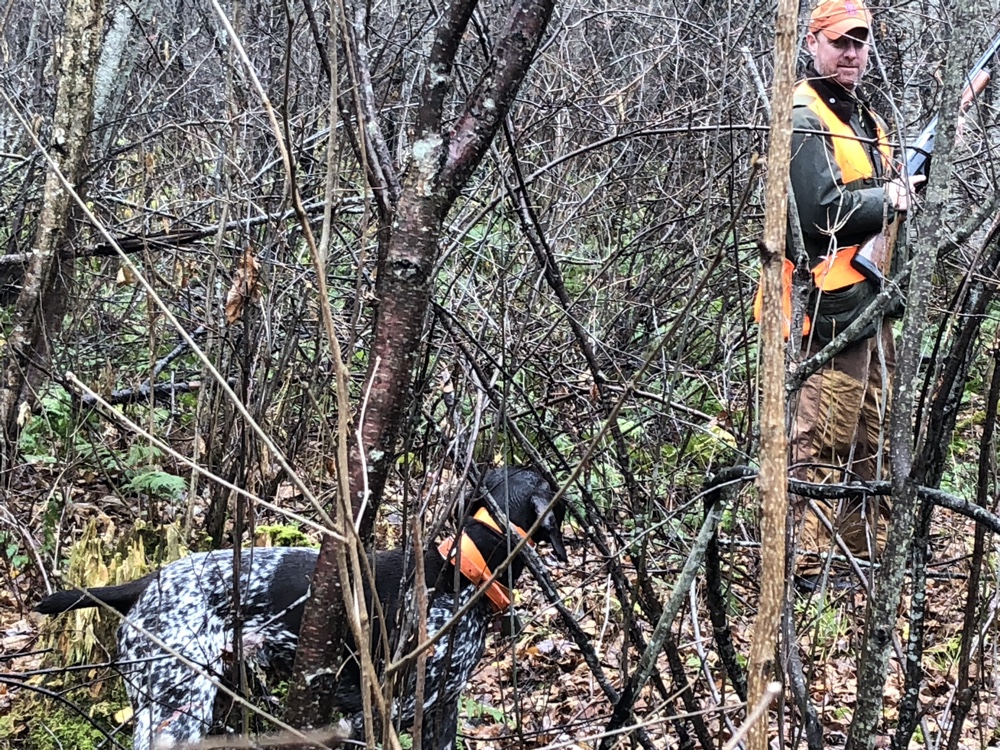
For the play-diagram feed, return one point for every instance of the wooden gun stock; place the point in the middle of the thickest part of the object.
(974, 88)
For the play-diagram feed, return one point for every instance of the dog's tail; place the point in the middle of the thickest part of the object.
(120, 598)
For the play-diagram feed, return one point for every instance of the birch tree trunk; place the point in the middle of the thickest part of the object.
(114, 69)
(47, 283)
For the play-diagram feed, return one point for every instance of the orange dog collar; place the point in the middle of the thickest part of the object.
(472, 563)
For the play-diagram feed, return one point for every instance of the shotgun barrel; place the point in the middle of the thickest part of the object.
(918, 154)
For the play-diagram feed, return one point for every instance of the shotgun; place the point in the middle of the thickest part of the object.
(874, 257)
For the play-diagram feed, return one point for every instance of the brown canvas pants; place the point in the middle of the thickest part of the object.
(839, 435)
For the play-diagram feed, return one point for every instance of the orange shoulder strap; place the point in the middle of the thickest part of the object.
(472, 563)
(473, 567)
(483, 516)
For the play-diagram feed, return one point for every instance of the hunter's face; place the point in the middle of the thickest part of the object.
(840, 58)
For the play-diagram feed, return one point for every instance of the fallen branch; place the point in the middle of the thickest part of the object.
(177, 351)
(164, 240)
(163, 392)
(715, 597)
(815, 491)
(159, 392)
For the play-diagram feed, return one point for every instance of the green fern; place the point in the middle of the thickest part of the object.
(157, 483)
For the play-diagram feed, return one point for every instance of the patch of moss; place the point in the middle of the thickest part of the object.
(283, 535)
(53, 728)
(11, 727)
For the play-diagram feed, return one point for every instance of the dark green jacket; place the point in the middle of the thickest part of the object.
(832, 214)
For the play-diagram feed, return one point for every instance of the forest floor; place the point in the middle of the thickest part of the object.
(560, 702)
(535, 690)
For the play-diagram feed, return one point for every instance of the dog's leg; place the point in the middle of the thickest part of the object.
(172, 701)
(441, 726)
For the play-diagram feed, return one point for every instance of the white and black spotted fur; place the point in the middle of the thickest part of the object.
(186, 608)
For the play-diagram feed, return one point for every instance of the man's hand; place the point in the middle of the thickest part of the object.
(900, 192)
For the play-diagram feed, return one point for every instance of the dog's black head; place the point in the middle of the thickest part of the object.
(525, 495)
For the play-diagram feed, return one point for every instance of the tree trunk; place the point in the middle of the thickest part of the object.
(47, 283)
(773, 479)
(442, 163)
(883, 606)
(115, 66)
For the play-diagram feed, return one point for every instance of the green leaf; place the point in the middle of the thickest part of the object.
(157, 483)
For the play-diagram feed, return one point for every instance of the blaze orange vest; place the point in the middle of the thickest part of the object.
(833, 271)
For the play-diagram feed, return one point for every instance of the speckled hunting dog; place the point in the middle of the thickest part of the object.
(186, 608)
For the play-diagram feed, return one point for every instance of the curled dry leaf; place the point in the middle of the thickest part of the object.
(244, 288)
(125, 276)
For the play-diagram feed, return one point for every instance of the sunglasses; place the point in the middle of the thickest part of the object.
(844, 42)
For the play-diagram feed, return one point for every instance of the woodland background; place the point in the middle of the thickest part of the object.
(589, 297)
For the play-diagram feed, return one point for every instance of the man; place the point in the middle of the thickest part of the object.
(841, 182)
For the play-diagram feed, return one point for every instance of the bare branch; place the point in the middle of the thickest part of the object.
(489, 102)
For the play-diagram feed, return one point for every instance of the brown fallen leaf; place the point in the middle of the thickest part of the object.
(244, 288)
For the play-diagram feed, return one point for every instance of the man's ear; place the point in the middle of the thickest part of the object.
(811, 42)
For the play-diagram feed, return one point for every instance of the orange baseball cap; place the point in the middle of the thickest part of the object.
(838, 17)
